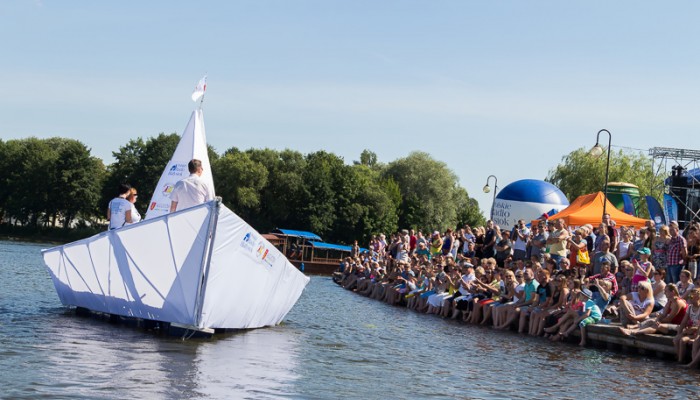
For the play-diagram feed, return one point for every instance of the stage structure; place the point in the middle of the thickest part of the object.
(683, 185)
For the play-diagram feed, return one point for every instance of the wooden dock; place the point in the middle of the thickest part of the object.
(609, 336)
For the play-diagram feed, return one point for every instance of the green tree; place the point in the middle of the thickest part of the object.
(239, 181)
(6, 159)
(368, 158)
(77, 178)
(373, 207)
(155, 156)
(125, 169)
(282, 197)
(468, 211)
(429, 192)
(48, 179)
(323, 190)
(29, 180)
(580, 173)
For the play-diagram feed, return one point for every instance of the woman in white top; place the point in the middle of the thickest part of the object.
(625, 247)
(637, 307)
(135, 216)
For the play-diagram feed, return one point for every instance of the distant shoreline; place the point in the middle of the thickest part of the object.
(33, 239)
(48, 235)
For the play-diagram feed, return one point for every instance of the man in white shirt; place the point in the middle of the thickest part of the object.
(190, 191)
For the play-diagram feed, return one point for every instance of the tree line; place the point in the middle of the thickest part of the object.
(57, 182)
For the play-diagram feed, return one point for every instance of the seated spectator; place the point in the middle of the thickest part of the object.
(625, 278)
(528, 299)
(591, 314)
(658, 286)
(667, 320)
(490, 289)
(688, 330)
(685, 285)
(637, 306)
(514, 291)
(555, 303)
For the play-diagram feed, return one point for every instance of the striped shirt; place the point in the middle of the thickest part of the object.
(674, 255)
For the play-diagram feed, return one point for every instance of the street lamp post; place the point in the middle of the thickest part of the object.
(597, 151)
(487, 189)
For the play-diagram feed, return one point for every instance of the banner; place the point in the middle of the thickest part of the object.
(628, 204)
(670, 208)
(656, 212)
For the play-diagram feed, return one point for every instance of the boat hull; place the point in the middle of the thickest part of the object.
(202, 267)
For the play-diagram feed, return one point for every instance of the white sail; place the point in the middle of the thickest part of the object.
(193, 144)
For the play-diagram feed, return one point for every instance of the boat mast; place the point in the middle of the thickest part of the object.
(206, 261)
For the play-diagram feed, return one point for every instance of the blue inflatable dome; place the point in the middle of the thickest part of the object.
(533, 191)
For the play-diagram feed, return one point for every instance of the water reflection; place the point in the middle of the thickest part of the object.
(333, 344)
(257, 364)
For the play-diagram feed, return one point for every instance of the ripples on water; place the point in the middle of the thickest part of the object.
(334, 344)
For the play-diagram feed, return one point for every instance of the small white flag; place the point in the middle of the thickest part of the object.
(199, 89)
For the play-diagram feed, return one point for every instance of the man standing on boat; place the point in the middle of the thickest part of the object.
(190, 191)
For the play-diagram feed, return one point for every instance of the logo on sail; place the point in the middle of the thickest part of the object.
(167, 189)
(177, 169)
(249, 242)
(256, 248)
(263, 254)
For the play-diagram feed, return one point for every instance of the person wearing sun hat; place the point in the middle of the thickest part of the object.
(643, 269)
(591, 315)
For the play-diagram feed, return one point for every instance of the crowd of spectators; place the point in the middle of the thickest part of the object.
(544, 280)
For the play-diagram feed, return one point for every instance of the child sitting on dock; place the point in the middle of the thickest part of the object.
(591, 314)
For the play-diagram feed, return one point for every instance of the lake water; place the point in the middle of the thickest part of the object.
(334, 344)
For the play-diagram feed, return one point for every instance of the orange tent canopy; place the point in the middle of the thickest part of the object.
(588, 209)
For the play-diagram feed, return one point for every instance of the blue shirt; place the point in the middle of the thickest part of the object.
(595, 310)
(531, 288)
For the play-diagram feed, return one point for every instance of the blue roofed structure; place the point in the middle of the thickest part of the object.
(301, 234)
(330, 246)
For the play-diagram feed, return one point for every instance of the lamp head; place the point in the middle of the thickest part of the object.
(596, 151)
(487, 188)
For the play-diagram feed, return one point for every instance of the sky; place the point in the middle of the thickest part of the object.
(504, 88)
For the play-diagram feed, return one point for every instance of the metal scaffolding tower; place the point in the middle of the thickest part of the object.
(683, 186)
